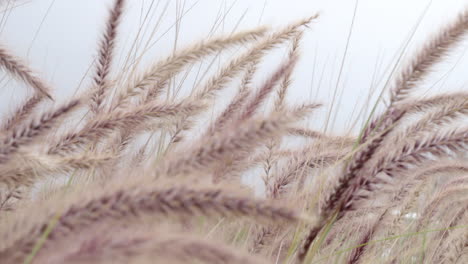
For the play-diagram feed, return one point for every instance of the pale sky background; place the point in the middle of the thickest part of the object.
(59, 38)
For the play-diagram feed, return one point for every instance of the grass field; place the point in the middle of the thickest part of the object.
(142, 167)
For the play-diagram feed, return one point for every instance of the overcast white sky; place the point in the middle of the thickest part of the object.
(59, 38)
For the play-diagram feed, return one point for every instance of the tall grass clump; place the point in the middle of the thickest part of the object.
(155, 176)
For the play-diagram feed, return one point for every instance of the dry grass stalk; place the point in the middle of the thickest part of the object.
(442, 144)
(267, 87)
(19, 69)
(157, 76)
(434, 205)
(105, 57)
(6, 200)
(106, 124)
(23, 112)
(159, 247)
(253, 55)
(25, 135)
(437, 101)
(431, 53)
(420, 65)
(443, 116)
(445, 239)
(454, 249)
(409, 191)
(347, 191)
(238, 101)
(124, 204)
(240, 137)
(342, 197)
(32, 168)
(293, 53)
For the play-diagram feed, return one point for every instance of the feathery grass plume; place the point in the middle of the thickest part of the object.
(237, 102)
(414, 154)
(296, 131)
(296, 113)
(261, 239)
(350, 181)
(105, 124)
(422, 174)
(443, 238)
(429, 211)
(26, 134)
(364, 240)
(341, 197)
(390, 188)
(236, 166)
(440, 117)
(321, 138)
(32, 167)
(352, 221)
(381, 124)
(437, 101)
(294, 168)
(451, 222)
(253, 55)
(301, 111)
(401, 214)
(106, 55)
(124, 204)
(439, 110)
(270, 161)
(267, 87)
(420, 65)
(157, 76)
(354, 168)
(23, 112)
(186, 124)
(417, 151)
(452, 248)
(7, 198)
(298, 165)
(315, 157)
(409, 190)
(234, 162)
(283, 88)
(240, 141)
(431, 53)
(385, 120)
(239, 137)
(17, 68)
(416, 179)
(152, 247)
(189, 249)
(82, 161)
(294, 171)
(458, 181)
(126, 134)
